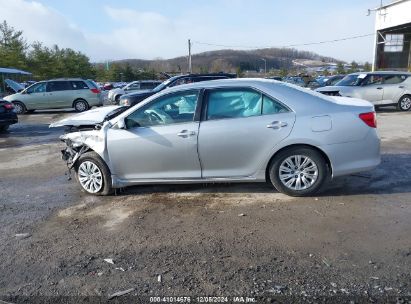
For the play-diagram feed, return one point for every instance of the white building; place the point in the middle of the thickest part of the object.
(393, 34)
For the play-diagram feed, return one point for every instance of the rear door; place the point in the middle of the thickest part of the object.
(239, 129)
(58, 94)
(393, 88)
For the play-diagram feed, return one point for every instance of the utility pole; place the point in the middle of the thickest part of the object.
(190, 70)
(265, 66)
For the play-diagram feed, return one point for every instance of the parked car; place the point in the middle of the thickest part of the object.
(134, 98)
(304, 81)
(74, 93)
(234, 130)
(385, 88)
(11, 87)
(326, 81)
(140, 85)
(7, 115)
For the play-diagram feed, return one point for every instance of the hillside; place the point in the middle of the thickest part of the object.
(230, 60)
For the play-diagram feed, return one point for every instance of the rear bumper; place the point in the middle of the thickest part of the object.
(8, 119)
(353, 157)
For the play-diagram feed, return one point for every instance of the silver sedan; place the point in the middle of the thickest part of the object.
(237, 130)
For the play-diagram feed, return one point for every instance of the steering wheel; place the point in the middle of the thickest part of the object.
(154, 117)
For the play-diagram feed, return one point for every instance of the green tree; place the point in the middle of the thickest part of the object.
(340, 68)
(367, 66)
(354, 67)
(128, 73)
(12, 47)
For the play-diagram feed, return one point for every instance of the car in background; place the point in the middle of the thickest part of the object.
(139, 85)
(7, 115)
(326, 81)
(383, 88)
(76, 93)
(134, 98)
(304, 81)
(232, 130)
(11, 87)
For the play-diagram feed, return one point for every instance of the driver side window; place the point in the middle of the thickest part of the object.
(169, 109)
(37, 88)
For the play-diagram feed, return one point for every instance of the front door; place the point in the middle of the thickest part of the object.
(159, 142)
(35, 96)
(239, 131)
(372, 89)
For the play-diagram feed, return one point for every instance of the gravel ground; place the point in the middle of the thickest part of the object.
(350, 243)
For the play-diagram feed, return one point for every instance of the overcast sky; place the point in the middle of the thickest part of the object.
(147, 29)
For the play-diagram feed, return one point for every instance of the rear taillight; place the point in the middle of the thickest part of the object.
(369, 118)
(95, 91)
(8, 106)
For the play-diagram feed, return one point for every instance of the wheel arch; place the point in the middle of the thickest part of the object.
(19, 101)
(297, 145)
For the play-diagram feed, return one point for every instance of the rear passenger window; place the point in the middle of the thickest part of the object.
(79, 85)
(394, 79)
(53, 86)
(271, 106)
(233, 104)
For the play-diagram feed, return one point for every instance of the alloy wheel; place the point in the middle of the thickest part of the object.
(90, 177)
(298, 172)
(405, 103)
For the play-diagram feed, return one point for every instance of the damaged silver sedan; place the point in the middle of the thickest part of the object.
(242, 130)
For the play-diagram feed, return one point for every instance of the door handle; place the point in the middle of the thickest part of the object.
(401, 87)
(186, 133)
(379, 88)
(277, 125)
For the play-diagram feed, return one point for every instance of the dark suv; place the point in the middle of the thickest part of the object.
(135, 98)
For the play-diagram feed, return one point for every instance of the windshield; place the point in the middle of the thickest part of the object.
(165, 83)
(351, 80)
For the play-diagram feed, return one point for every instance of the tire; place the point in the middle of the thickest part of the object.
(19, 107)
(286, 182)
(80, 105)
(92, 162)
(404, 104)
(117, 99)
(4, 128)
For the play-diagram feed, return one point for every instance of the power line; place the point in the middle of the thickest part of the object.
(285, 46)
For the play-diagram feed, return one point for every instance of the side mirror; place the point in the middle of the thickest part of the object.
(121, 124)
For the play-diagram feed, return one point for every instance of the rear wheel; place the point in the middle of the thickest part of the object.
(404, 104)
(298, 171)
(117, 99)
(93, 175)
(4, 128)
(81, 105)
(19, 107)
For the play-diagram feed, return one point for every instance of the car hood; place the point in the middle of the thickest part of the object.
(17, 87)
(140, 92)
(90, 117)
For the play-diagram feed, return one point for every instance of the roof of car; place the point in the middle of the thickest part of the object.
(383, 73)
(65, 79)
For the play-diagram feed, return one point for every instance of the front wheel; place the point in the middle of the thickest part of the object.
(93, 175)
(404, 104)
(298, 171)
